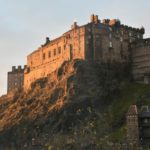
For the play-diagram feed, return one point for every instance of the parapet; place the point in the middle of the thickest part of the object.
(141, 42)
(18, 69)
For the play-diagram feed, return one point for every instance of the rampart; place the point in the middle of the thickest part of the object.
(141, 59)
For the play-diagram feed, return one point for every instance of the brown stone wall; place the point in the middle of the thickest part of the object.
(107, 41)
(51, 56)
(15, 79)
(141, 59)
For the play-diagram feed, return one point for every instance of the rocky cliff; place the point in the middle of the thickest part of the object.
(73, 108)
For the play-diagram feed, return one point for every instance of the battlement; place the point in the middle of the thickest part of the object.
(141, 43)
(17, 69)
(115, 23)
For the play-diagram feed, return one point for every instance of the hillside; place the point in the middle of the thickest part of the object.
(82, 105)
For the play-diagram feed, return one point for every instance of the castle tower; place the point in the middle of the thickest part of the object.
(15, 79)
(132, 125)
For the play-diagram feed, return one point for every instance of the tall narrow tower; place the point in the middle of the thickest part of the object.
(132, 125)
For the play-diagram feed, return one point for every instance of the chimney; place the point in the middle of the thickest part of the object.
(96, 19)
(47, 40)
(74, 26)
(92, 18)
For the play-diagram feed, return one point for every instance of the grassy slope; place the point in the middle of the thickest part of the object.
(131, 93)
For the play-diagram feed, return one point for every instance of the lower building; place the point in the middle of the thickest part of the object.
(138, 126)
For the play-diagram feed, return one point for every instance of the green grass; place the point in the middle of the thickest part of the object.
(131, 93)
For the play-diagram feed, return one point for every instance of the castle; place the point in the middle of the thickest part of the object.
(99, 40)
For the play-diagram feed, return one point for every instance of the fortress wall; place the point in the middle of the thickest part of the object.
(51, 56)
(93, 41)
(41, 71)
(141, 61)
(110, 45)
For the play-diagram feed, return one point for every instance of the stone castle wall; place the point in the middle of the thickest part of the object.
(106, 40)
(50, 57)
(15, 78)
(141, 59)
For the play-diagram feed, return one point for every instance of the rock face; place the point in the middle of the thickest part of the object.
(59, 103)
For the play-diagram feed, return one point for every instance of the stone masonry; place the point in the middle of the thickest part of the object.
(102, 40)
(15, 79)
(99, 40)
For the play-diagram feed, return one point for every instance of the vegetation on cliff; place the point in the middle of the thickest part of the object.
(82, 105)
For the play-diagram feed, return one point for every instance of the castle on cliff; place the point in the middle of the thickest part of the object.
(99, 40)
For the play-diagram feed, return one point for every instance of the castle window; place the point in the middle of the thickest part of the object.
(110, 29)
(110, 45)
(145, 120)
(64, 47)
(43, 55)
(110, 36)
(130, 40)
(59, 50)
(54, 52)
(130, 33)
(121, 39)
(49, 54)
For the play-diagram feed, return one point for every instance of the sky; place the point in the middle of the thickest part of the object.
(24, 24)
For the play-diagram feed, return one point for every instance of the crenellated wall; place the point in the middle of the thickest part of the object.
(15, 79)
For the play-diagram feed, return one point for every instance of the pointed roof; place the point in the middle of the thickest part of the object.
(132, 110)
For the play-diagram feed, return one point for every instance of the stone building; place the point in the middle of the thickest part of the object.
(133, 125)
(15, 79)
(138, 126)
(102, 40)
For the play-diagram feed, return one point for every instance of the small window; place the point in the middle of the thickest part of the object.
(49, 54)
(130, 40)
(43, 55)
(110, 45)
(110, 28)
(59, 50)
(121, 39)
(54, 52)
(64, 47)
(110, 36)
(130, 33)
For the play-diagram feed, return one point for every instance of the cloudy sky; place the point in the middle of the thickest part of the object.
(24, 24)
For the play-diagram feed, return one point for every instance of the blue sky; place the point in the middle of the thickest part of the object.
(24, 24)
